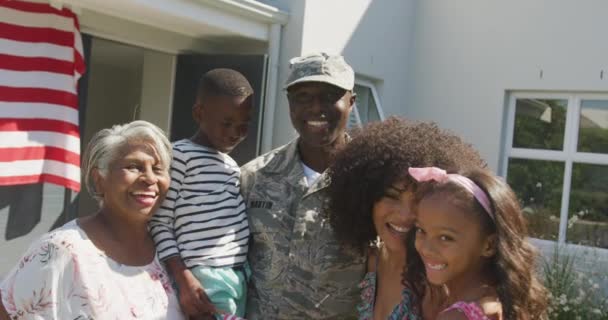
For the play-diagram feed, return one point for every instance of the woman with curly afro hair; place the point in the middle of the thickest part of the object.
(370, 202)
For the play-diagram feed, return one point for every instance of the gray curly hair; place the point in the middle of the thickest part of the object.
(105, 145)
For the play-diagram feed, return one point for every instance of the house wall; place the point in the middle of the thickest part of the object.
(158, 73)
(20, 225)
(466, 55)
(374, 37)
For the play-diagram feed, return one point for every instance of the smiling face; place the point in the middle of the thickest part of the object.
(393, 216)
(135, 183)
(451, 242)
(223, 121)
(319, 111)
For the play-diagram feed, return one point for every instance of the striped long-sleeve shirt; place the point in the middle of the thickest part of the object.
(203, 217)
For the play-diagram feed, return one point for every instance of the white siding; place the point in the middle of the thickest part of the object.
(467, 54)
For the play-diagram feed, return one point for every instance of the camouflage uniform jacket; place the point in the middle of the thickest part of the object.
(299, 270)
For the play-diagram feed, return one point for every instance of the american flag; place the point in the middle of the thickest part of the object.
(41, 61)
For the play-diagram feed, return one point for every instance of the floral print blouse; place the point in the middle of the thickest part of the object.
(64, 276)
(471, 310)
(403, 311)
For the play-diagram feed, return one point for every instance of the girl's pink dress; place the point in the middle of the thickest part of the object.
(470, 309)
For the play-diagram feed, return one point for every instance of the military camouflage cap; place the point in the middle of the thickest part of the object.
(321, 67)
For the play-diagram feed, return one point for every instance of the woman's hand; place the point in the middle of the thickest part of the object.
(192, 296)
(491, 307)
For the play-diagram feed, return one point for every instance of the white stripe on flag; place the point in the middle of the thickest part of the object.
(29, 110)
(36, 167)
(21, 139)
(36, 20)
(36, 50)
(38, 79)
(78, 42)
(79, 49)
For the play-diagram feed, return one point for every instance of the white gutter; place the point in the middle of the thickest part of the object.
(193, 18)
(250, 8)
(274, 45)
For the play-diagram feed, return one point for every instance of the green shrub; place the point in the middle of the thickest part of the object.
(574, 294)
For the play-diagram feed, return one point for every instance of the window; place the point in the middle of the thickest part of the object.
(367, 106)
(556, 160)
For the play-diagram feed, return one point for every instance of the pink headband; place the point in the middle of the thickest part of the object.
(440, 175)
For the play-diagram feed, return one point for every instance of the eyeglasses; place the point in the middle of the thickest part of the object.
(324, 97)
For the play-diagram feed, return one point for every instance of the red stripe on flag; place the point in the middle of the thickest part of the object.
(39, 153)
(7, 124)
(35, 7)
(18, 63)
(13, 94)
(79, 65)
(30, 34)
(50, 178)
(47, 33)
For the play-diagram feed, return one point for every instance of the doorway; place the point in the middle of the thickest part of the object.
(115, 90)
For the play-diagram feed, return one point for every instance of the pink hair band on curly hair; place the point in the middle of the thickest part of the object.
(440, 175)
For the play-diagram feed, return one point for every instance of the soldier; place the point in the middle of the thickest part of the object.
(299, 269)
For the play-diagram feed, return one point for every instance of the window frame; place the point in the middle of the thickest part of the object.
(375, 96)
(568, 155)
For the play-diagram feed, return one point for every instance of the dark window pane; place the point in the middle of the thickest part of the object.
(540, 123)
(588, 222)
(593, 126)
(538, 185)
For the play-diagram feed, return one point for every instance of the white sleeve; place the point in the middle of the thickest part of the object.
(41, 285)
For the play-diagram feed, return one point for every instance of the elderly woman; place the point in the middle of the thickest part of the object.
(103, 266)
(370, 203)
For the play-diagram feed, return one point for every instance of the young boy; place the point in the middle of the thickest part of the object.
(201, 230)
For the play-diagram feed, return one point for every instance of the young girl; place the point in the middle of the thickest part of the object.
(369, 198)
(470, 241)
